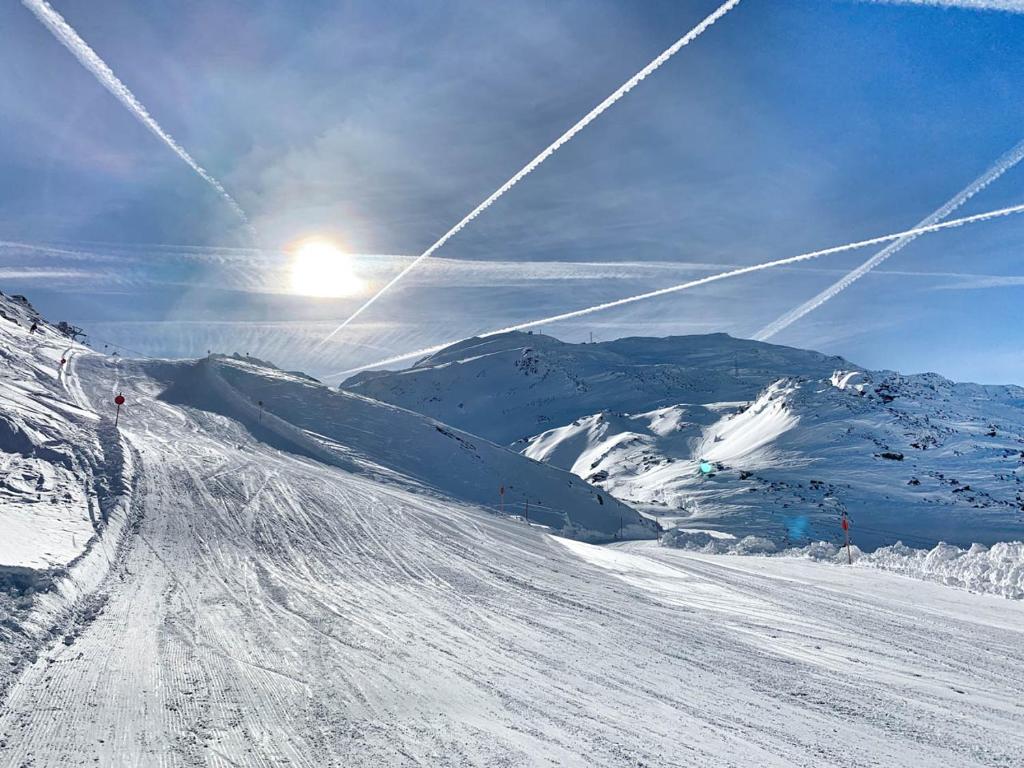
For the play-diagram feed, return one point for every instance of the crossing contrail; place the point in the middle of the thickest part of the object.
(1010, 6)
(561, 141)
(1001, 166)
(92, 62)
(978, 217)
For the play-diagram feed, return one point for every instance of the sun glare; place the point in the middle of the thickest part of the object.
(320, 268)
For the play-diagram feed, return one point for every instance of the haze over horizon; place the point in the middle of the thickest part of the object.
(352, 138)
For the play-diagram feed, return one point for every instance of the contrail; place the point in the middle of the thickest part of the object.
(1010, 6)
(565, 138)
(37, 248)
(91, 61)
(1001, 166)
(978, 217)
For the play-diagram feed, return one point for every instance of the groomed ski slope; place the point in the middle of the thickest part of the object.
(271, 610)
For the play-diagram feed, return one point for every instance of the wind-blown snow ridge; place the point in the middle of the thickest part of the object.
(561, 141)
(920, 230)
(995, 570)
(89, 59)
(1005, 162)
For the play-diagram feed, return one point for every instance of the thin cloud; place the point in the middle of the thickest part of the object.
(52, 250)
(89, 59)
(1009, 6)
(561, 141)
(1004, 163)
(976, 282)
(45, 274)
(552, 319)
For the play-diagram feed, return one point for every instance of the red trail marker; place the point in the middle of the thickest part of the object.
(846, 534)
(119, 401)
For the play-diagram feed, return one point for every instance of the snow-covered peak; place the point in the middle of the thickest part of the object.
(793, 436)
(516, 385)
(750, 435)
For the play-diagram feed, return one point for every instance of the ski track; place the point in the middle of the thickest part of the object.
(274, 611)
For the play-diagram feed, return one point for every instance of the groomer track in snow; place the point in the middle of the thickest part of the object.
(272, 609)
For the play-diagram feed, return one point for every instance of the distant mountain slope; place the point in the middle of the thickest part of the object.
(515, 385)
(794, 437)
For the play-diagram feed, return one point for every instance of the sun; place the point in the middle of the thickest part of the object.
(320, 268)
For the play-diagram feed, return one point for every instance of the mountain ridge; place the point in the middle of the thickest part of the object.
(795, 436)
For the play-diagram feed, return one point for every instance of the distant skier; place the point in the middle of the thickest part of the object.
(34, 328)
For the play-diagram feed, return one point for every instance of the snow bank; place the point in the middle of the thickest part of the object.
(66, 477)
(713, 542)
(998, 570)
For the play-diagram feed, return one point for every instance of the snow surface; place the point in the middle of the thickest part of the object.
(390, 443)
(795, 437)
(290, 590)
(515, 385)
(998, 570)
(59, 469)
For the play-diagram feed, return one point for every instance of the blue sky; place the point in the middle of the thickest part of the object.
(790, 125)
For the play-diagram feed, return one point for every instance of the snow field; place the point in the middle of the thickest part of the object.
(303, 592)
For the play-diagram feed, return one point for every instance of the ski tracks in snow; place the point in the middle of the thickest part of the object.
(277, 611)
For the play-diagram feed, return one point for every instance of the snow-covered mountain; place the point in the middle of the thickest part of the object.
(517, 385)
(295, 413)
(67, 473)
(793, 437)
(254, 570)
(65, 470)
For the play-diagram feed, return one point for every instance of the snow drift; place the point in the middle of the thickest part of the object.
(996, 570)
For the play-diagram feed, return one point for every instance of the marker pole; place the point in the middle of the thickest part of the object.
(118, 401)
(846, 534)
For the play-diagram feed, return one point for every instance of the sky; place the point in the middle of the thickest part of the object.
(788, 126)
